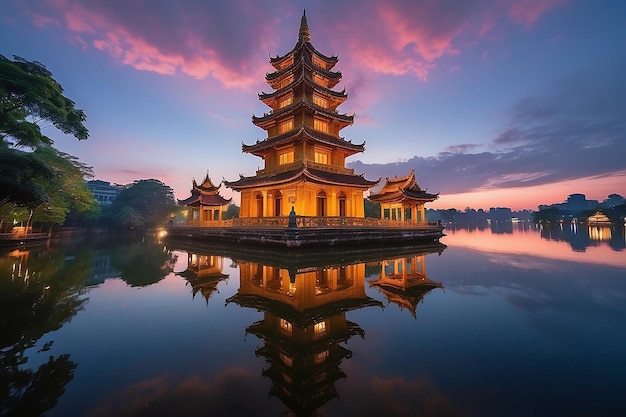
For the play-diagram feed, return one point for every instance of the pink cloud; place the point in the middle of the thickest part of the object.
(41, 21)
(229, 42)
(527, 12)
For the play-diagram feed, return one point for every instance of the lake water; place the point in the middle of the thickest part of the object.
(507, 320)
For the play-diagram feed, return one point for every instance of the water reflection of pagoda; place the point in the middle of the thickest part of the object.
(403, 281)
(304, 323)
(204, 273)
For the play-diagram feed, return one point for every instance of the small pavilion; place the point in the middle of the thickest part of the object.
(403, 281)
(205, 204)
(402, 199)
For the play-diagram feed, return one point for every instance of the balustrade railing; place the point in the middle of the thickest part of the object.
(310, 221)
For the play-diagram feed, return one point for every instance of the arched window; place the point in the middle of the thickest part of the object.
(341, 200)
(321, 204)
(278, 202)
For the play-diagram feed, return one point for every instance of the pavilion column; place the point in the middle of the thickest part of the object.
(220, 213)
(265, 203)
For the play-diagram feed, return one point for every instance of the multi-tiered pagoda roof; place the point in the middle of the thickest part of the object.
(302, 83)
(205, 193)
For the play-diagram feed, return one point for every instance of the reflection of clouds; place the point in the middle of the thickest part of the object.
(235, 391)
(531, 283)
(392, 396)
(515, 261)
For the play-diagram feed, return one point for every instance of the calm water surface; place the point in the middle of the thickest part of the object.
(508, 320)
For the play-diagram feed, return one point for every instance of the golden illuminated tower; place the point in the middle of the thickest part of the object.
(304, 326)
(303, 153)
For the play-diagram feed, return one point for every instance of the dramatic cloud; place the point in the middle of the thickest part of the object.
(229, 41)
(576, 129)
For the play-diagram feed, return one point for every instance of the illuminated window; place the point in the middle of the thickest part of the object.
(285, 126)
(285, 158)
(320, 101)
(286, 81)
(320, 327)
(320, 125)
(321, 357)
(318, 62)
(285, 325)
(285, 102)
(318, 79)
(286, 359)
(321, 157)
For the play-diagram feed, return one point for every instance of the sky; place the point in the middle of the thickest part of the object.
(494, 103)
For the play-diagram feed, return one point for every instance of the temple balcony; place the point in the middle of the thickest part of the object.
(312, 221)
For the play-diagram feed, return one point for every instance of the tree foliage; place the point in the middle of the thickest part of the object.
(30, 98)
(144, 204)
(67, 190)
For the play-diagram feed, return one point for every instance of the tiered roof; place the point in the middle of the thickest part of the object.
(401, 189)
(298, 67)
(302, 172)
(206, 194)
(305, 134)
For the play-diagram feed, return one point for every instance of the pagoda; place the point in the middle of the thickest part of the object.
(303, 153)
(304, 326)
(205, 204)
(402, 199)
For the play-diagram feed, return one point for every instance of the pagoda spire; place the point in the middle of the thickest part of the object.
(304, 34)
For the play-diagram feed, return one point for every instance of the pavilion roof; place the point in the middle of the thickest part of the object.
(405, 297)
(399, 189)
(302, 172)
(206, 194)
(205, 200)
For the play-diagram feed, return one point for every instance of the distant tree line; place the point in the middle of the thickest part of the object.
(470, 215)
(616, 214)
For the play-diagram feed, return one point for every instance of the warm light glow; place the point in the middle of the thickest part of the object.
(321, 157)
(531, 197)
(285, 102)
(321, 357)
(530, 243)
(285, 126)
(321, 125)
(285, 158)
(320, 327)
(285, 325)
(320, 101)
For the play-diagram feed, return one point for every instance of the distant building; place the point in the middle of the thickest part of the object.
(598, 218)
(103, 191)
(613, 200)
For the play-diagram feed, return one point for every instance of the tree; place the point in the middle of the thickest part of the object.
(29, 99)
(67, 190)
(144, 204)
